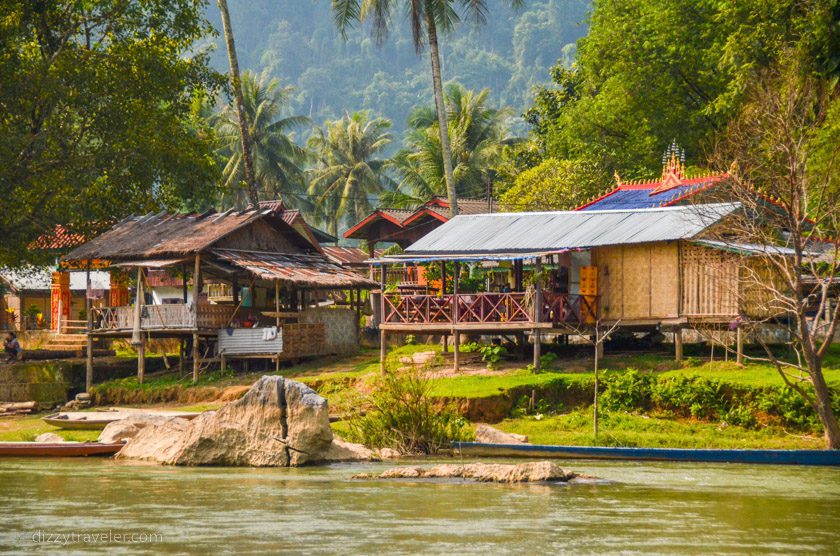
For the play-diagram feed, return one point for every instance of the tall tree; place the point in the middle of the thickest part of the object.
(349, 170)
(278, 161)
(477, 132)
(650, 71)
(236, 85)
(98, 114)
(428, 18)
(786, 147)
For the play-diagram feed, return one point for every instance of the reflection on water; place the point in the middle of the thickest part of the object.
(646, 508)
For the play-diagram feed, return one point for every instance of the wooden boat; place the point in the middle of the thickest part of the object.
(57, 449)
(777, 457)
(98, 420)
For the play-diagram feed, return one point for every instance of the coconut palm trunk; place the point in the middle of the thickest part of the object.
(437, 84)
(236, 84)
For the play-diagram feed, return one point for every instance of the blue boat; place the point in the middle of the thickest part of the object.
(775, 457)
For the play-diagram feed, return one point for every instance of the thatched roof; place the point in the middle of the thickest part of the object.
(165, 235)
(310, 271)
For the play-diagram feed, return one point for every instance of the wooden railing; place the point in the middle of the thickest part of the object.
(176, 316)
(561, 308)
(486, 308)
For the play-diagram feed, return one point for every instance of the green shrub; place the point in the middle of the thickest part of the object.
(405, 417)
(627, 391)
(492, 354)
(742, 416)
(690, 395)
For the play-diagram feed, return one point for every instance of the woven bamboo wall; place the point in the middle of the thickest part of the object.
(638, 281)
(301, 340)
(710, 282)
(758, 280)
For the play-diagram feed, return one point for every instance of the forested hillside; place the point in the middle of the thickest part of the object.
(297, 42)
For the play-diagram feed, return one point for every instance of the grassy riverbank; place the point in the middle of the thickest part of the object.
(646, 399)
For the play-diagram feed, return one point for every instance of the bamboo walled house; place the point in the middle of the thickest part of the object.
(642, 269)
(258, 268)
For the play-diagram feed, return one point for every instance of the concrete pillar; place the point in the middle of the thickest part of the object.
(739, 346)
(456, 353)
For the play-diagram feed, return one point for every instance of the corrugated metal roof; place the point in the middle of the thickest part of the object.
(40, 279)
(547, 232)
(748, 248)
(302, 270)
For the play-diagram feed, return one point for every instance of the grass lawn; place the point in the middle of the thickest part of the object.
(621, 429)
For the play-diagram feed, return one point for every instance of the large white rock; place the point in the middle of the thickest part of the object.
(126, 429)
(278, 422)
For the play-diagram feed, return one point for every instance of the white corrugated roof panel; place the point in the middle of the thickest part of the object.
(545, 232)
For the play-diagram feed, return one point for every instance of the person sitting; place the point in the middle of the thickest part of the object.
(12, 347)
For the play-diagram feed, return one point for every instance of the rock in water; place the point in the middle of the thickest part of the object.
(489, 435)
(277, 423)
(539, 471)
(341, 450)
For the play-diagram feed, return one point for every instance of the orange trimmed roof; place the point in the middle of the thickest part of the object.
(436, 208)
(59, 238)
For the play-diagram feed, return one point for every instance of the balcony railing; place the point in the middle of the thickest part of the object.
(176, 316)
(489, 308)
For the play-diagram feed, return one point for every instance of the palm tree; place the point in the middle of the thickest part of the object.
(348, 171)
(236, 84)
(477, 133)
(426, 17)
(277, 159)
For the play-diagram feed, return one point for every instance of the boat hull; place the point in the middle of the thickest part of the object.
(777, 457)
(57, 449)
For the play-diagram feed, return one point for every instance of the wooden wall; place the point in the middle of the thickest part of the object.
(710, 284)
(638, 282)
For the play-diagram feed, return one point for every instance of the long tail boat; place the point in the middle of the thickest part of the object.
(58, 449)
(777, 457)
(98, 420)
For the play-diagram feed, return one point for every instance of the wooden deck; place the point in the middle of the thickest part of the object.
(162, 319)
(486, 312)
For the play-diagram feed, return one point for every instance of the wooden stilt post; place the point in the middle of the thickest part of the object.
(739, 346)
(196, 293)
(444, 341)
(382, 334)
(137, 333)
(537, 311)
(89, 328)
(456, 348)
(678, 345)
(277, 320)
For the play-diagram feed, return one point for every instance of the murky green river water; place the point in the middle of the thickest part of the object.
(646, 508)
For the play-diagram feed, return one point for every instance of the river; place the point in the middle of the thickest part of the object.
(644, 508)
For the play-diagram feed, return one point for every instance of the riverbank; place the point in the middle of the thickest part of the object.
(647, 400)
